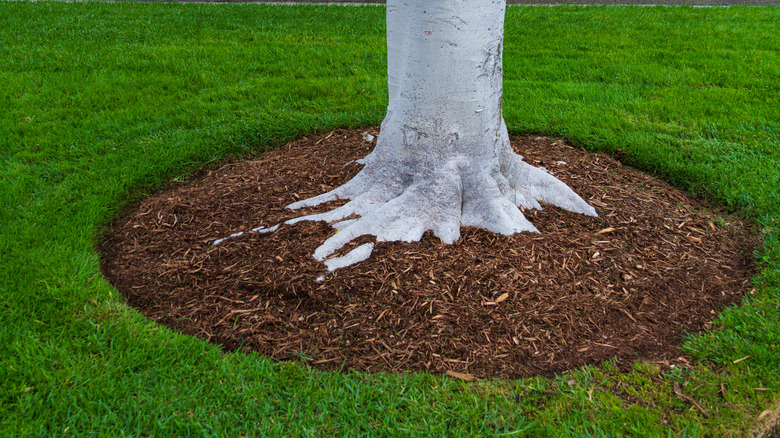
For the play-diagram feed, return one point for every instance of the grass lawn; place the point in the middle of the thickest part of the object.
(102, 103)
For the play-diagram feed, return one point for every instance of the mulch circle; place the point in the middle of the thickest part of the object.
(628, 284)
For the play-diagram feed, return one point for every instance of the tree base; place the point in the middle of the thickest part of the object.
(395, 200)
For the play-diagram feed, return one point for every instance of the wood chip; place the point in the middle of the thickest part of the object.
(461, 376)
(690, 400)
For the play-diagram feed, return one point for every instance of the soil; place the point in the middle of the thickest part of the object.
(654, 265)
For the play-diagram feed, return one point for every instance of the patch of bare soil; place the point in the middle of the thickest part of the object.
(655, 264)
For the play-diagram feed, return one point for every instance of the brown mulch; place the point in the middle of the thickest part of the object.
(655, 264)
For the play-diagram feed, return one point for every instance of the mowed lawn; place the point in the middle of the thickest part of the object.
(103, 103)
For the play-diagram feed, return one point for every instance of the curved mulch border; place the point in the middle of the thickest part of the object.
(627, 284)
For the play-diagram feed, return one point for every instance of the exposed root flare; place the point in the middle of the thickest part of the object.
(393, 204)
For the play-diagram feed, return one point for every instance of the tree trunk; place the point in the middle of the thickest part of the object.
(443, 158)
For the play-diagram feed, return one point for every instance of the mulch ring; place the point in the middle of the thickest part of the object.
(654, 265)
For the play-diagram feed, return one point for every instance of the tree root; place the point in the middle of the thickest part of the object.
(394, 204)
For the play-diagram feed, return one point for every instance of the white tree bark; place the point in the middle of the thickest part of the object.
(443, 158)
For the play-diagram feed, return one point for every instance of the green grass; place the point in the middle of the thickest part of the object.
(100, 104)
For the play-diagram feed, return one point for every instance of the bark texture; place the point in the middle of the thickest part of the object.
(443, 158)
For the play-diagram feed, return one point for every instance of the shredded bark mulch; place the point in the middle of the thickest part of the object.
(654, 265)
